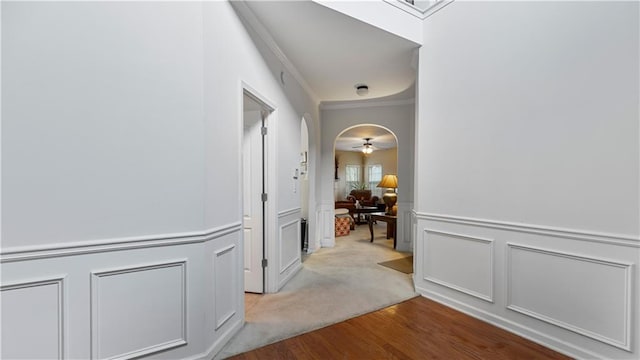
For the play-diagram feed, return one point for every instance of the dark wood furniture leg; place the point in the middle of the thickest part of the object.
(370, 221)
(391, 230)
(391, 226)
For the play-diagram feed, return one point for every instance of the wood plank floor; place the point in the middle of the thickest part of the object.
(415, 329)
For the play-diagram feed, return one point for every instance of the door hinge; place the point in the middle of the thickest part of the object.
(264, 197)
(264, 263)
(264, 131)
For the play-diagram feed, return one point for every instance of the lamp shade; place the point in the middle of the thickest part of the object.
(388, 181)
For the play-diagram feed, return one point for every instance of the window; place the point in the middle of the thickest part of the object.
(374, 175)
(352, 177)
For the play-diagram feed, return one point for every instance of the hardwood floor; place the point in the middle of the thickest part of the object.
(415, 329)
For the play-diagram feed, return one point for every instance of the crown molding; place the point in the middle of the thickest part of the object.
(245, 12)
(357, 104)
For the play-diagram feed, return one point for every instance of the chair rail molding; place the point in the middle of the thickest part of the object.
(607, 238)
(98, 246)
(289, 212)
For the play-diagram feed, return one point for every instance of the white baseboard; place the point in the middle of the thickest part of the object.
(291, 274)
(508, 325)
(218, 344)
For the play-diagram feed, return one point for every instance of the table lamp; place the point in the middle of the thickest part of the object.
(390, 181)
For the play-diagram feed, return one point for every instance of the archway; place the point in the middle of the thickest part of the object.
(398, 118)
(363, 154)
(369, 151)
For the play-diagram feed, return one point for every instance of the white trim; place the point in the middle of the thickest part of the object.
(607, 238)
(283, 268)
(460, 288)
(219, 343)
(359, 104)
(625, 344)
(268, 40)
(229, 315)
(61, 299)
(416, 11)
(224, 250)
(292, 211)
(128, 243)
(94, 311)
(528, 333)
(328, 238)
(290, 275)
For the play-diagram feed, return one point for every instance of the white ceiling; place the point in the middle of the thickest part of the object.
(380, 138)
(334, 52)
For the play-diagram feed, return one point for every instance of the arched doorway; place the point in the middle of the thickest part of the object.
(363, 155)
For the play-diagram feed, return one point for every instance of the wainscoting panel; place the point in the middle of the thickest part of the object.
(289, 236)
(460, 262)
(287, 258)
(138, 310)
(572, 290)
(404, 229)
(225, 284)
(154, 296)
(33, 320)
(586, 295)
(248, 250)
(328, 226)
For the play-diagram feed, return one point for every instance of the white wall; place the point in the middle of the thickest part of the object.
(95, 128)
(397, 118)
(122, 126)
(528, 170)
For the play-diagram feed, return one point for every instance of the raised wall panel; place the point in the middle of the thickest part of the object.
(289, 238)
(138, 310)
(460, 262)
(248, 249)
(586, 295)
(406, 225)
(33, 320)
(225, 284)
(328, 229)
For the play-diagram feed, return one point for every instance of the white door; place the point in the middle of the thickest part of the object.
(252, 198)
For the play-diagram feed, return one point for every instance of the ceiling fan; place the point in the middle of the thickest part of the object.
(367, 147)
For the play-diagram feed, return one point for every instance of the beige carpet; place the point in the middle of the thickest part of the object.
(404, 264)
(334, 284)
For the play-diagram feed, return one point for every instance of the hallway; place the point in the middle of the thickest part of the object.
(334, 284)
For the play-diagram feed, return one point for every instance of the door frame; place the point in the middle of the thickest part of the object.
(269, 219)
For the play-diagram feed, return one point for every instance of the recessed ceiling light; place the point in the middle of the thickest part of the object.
(362, 89)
